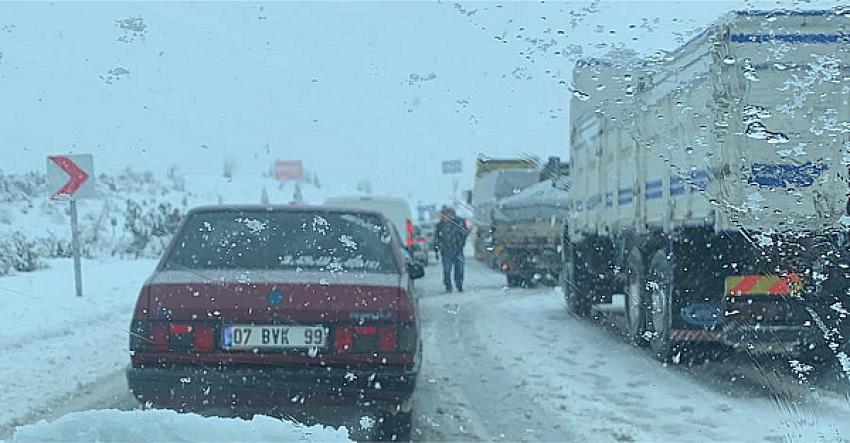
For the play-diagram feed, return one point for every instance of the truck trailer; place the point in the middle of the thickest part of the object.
(709, 187)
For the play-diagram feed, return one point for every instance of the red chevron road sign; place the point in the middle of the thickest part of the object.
(70, 176)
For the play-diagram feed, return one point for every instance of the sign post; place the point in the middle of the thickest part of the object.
(453, 167)
(69, 178)
(75, 239)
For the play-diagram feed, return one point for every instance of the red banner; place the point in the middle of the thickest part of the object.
(288, 170)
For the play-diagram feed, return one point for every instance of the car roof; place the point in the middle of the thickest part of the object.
(366, 198)
(281, 208)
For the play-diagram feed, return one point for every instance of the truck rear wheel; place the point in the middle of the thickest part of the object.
(636, 308)
(515, 281)
(660, 319)
(575, 295)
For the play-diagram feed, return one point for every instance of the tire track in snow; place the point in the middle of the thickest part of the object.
(465, 392)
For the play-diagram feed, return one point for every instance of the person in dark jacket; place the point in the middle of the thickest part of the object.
(450, 236)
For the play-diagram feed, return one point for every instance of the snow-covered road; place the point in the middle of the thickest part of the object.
(499, 364)
(512, 365)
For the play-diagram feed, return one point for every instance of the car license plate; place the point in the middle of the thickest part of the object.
(237, 337)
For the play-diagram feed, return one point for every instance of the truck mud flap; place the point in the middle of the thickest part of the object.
(694, 335)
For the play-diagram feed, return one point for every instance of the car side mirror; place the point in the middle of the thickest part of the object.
(415, 270)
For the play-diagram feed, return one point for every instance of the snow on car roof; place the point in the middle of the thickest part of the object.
(282, 208)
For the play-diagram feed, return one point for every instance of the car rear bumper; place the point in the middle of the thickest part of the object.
(190, 387)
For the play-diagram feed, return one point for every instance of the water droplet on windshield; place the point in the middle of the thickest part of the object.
(749, 71)
(758, 131)
(580, 95)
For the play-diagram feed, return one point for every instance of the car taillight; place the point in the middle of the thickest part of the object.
(158, 336)
(406, 338)
(366, 339)
(409, 229)
(386, 339)
(204, 338)
(344, 339)
(162, 336)
(365, 330)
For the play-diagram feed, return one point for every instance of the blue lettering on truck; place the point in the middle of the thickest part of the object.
(654, 189)
(784, 175)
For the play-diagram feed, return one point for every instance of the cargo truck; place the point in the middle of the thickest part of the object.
(527, 229)
(495, 179)
(709, 187)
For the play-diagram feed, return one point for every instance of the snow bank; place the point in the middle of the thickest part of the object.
(56, 344)
(160, 425)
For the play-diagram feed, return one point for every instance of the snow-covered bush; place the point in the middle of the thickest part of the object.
(133, 216)
(18, 253)
(150, 226)
(18, 187)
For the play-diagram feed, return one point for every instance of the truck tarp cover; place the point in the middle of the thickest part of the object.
(502, 183)
(541, 201)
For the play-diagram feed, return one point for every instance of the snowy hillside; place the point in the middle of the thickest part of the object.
(133, 216)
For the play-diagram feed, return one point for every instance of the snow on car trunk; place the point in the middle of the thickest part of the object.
(159, 425)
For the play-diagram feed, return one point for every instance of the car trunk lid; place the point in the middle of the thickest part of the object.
(273, 296)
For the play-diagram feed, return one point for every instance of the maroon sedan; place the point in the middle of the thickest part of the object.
(289, 309)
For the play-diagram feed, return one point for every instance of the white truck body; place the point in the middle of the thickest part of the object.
(744, 127)
(709, 185)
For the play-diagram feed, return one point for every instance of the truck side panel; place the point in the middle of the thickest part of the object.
(730, 163)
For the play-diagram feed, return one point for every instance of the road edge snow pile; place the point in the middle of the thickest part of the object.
(111, 425)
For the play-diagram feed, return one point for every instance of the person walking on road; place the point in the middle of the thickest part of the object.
(450, 237)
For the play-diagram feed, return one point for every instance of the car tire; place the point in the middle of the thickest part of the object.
(395, 427)
(660, 316)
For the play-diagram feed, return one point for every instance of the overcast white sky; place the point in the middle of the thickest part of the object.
(381, 91)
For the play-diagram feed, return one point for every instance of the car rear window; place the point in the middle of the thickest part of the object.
(336, 242)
